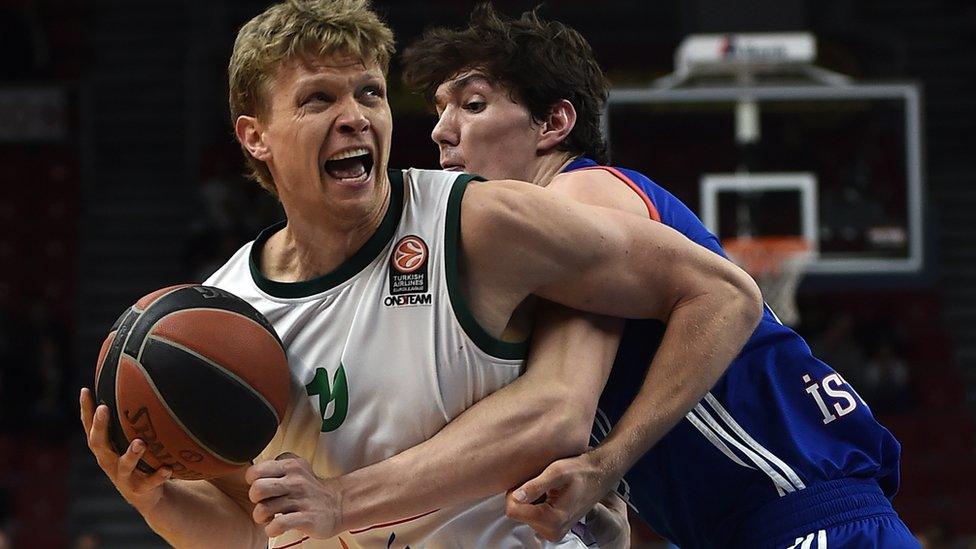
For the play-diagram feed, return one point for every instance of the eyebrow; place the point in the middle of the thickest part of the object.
(459, 84)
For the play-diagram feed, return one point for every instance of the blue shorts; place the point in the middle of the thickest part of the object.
(847, 513)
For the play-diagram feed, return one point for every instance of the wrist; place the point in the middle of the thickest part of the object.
(340, 490)
(611, 466)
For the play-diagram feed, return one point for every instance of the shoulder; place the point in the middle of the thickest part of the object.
(608, 188)
(495, 209)
(523, 228)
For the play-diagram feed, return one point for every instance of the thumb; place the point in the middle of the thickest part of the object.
(536, 488)
(287, 455)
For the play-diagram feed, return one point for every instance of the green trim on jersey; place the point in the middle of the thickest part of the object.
(349, 268)
(452, 237)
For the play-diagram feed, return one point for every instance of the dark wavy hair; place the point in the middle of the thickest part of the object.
(539, 61)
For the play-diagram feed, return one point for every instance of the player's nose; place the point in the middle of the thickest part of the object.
(351, 118)
(445, 131)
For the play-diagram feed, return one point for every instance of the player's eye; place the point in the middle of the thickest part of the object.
(317, 97)
(373, 92)
(474, 106)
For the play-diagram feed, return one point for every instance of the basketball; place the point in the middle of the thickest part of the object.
(196, 373)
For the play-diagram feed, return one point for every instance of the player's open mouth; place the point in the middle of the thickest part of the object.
(351, 166)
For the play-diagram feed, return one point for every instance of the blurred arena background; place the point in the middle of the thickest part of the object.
(120, 175)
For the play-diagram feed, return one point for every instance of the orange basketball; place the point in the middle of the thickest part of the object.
(196, 373)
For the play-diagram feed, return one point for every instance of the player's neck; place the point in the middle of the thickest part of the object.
(549, 166)
(313, 244)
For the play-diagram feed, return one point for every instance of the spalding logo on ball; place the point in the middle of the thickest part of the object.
(196, 373)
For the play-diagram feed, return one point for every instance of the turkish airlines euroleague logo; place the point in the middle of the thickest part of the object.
(408, 273)
(409, 254)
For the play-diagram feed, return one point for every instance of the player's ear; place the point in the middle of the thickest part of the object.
(250, 134)
(557, 125)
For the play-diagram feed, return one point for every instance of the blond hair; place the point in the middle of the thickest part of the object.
(299, 30)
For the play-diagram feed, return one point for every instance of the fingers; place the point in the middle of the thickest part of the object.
(127, 463)
(98, 435)
(607, 521)
(98, 440)
(95, 421)
(145, 483)
(287, 521)
(87, 404)
(603, 513)
(266, 488)
(546, 517)
(547, 520)
(537, 487)
(264, 469)
(279, 467)
(550, 526)
(127, 475)
(529, 513)
(266, 510)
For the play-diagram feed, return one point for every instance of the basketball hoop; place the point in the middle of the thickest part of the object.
(777, 264)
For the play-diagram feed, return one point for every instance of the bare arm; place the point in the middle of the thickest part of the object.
(595, 259)
(202, 514)
(708, 323)
(185, 513)
(506, 437)
(568, 366)
(685, 365)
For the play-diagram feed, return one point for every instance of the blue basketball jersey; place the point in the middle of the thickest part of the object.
(779, 427)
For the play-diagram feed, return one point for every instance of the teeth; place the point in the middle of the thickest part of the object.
(349, 154)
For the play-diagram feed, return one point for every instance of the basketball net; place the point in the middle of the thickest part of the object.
(777, 265)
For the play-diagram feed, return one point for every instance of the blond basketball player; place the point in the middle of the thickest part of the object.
(400, 296)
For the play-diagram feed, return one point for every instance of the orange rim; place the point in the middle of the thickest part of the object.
(764, 255)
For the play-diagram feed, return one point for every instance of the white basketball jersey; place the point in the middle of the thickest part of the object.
(383, 353)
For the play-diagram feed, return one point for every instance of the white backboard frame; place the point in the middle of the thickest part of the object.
(804, 183)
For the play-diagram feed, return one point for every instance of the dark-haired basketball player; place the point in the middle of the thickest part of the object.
(781, 452)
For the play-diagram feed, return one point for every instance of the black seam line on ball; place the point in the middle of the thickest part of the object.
(149, 333)
(107, 394)
(190, 297)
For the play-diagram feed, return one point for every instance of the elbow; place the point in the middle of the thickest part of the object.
(745, 298)
(571, 425)
(576, 433)
(564, 428)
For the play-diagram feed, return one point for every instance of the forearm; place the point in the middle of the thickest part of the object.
(503, 439)
(485, 451)
(702, 338)
(197, 514)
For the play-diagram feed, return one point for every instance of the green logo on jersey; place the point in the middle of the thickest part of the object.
(338, 393)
